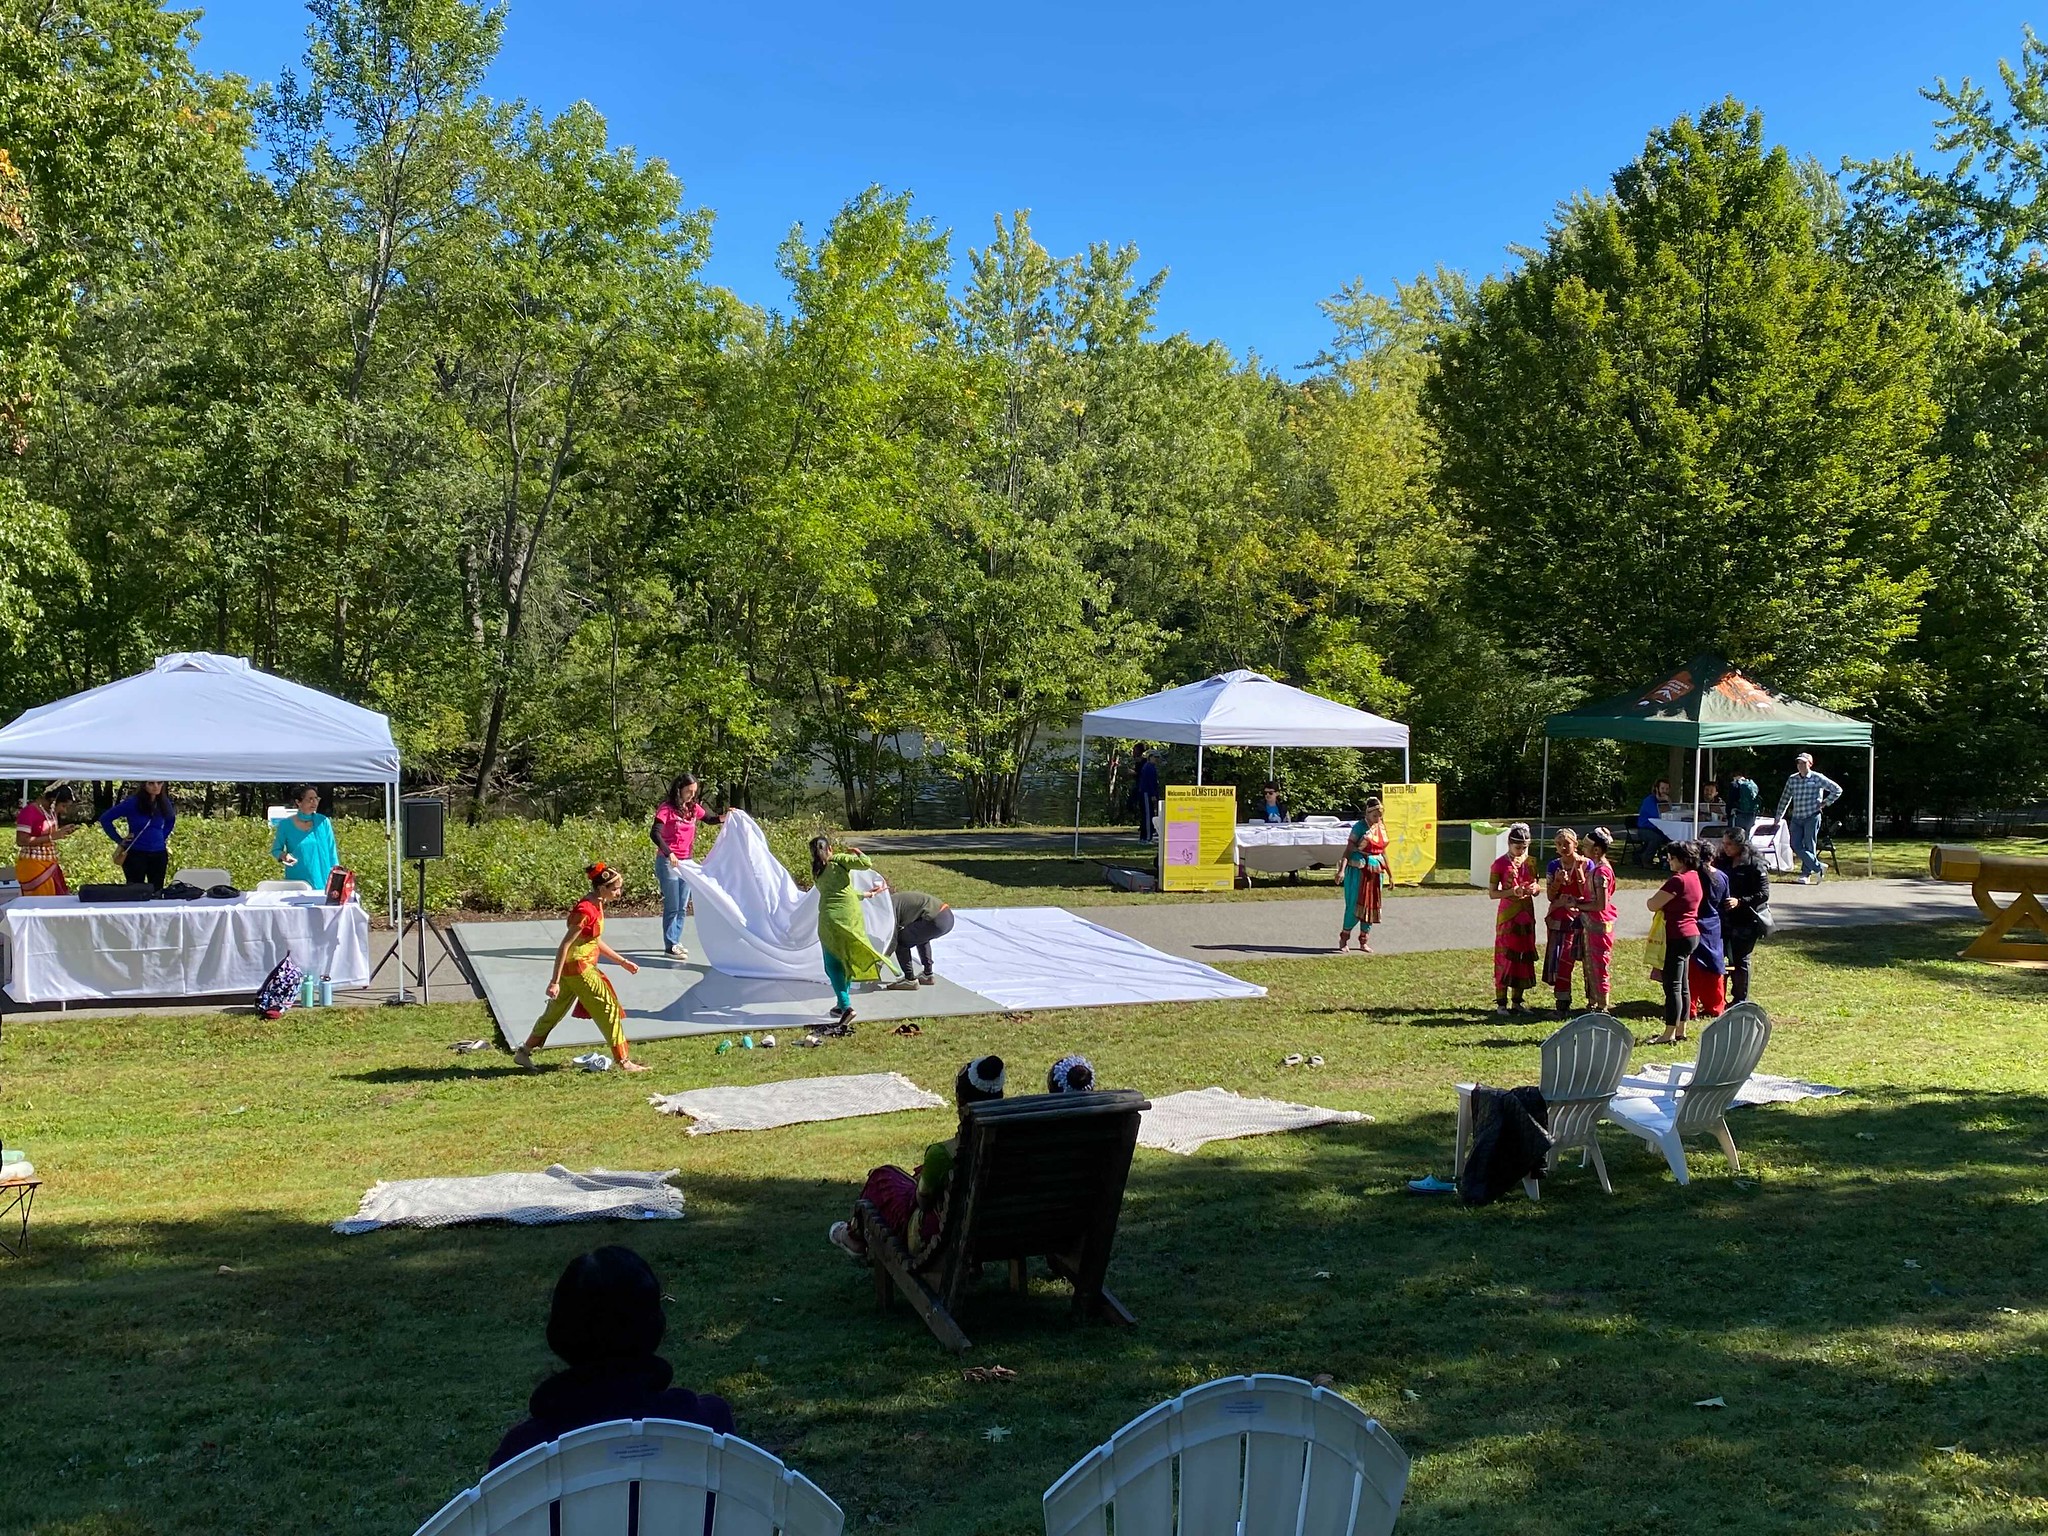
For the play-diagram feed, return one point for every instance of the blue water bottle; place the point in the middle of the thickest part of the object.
(326, 992)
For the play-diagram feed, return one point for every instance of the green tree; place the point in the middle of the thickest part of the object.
(1969, 239)
(1683, 425)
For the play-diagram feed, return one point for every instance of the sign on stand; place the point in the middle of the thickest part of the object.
(1411, 830)
(1198, 838)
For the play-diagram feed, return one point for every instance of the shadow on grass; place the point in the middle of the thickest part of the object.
(1540, 1360)
(487, 1063)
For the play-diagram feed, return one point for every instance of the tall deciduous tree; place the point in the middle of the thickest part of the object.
(1680, 426)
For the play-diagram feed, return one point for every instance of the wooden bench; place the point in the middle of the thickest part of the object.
(1040, 1176)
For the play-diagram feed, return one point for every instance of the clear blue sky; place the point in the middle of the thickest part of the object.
(1264, 153)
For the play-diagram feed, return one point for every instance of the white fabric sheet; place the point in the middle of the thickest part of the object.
(1183, 1122)
(205, 717)
(1762, 1087)
(752, 917)
(1293, 834)
(1046, 957)
(1243, 709)
(764, 1106)
(63, 950)
(526, 1199)
(1773, 838)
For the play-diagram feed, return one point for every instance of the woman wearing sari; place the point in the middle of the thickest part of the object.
(1570, 893)
(1365, 869)
(1512, 882)
(1600, 920)
(38, 828)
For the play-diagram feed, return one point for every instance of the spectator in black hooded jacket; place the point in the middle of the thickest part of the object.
(606, 1323)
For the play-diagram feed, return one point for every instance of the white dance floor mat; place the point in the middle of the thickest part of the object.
(765, 1106)
(1046, 957)
(525, 1199)
(1184, 1122)
(999, 960)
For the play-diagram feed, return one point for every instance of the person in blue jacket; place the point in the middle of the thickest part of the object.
(144, 853)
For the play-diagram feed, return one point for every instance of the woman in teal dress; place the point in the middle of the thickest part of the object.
(304, 843)
(1365, 867)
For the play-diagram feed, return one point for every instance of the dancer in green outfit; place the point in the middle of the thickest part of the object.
(849, 955)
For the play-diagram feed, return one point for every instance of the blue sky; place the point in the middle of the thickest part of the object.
(1265, 154)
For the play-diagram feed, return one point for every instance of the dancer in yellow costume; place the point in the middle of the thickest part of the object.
(579, 983)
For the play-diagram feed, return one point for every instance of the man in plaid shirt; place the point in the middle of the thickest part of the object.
(1807, 794)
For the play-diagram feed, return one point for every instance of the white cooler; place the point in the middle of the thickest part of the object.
(1488, 843)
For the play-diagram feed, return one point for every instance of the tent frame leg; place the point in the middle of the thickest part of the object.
(1198, 764)
(1080, 759)
(1697, 755)
(1870, 814)
(1543, 801)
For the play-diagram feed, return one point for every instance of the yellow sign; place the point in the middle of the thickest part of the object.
(1198, 838)
(1411, 830)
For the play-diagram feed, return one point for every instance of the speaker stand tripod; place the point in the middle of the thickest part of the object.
(417, 920)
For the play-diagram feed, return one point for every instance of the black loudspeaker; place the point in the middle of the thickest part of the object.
(420, 826)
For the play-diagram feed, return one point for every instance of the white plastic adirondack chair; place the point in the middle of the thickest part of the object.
(1695, 1097)
(1255, 1456)
(589, 1482)
(1583, 1064)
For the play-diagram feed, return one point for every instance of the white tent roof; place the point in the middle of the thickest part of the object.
(196, 716)
(1243, 709)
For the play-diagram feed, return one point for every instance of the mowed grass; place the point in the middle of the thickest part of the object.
(190, 1349)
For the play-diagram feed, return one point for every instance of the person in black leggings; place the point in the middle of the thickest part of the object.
(1748, 914)
(1679, 900)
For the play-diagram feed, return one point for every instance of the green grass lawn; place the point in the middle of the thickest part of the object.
(189, 1348)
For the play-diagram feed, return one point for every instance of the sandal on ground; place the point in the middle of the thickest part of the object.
(1430, 1184)
(1293, 1060)
(907, 1029)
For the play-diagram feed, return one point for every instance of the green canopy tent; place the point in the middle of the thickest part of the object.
(1707, 704)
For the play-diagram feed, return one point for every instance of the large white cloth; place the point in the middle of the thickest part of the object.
(525, 1199)
(60, 949)
(764, 1106)
(1183, 1122)
(752, 917)
(199, 716)
(1046, 957)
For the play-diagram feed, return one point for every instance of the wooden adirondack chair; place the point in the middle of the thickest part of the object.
(1040, 1175)
(1694, 1099)
(653, 1476)
(1244, 1456)
(1583, 1064)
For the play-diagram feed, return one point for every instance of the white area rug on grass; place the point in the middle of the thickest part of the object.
(764, 1106)
(528, 1199)
(1762, 1087)
(1181, 1122)
(1046, 957)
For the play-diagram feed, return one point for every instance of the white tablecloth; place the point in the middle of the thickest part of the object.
(1275, 847)
(1772, 837)
(62, 950)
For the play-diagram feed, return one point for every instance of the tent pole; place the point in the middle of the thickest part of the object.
(1696, 754)
(1870, 812)
(397, 902)
(1080, 757)
(1408, 767)
(1543, 805)
(1198, 763)
(1272, 772)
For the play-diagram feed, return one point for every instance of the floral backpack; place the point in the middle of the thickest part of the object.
(280, 988)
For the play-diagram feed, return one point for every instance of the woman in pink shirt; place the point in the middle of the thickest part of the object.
(675, 840)
(1679, 900)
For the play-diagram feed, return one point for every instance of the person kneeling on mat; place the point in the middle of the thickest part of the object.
(920, 918)
(576, 981)
(913, 1205)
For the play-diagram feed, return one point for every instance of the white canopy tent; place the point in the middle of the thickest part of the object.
(1237, 709)
(199, 717)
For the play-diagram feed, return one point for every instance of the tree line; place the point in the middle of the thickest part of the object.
(421, 397)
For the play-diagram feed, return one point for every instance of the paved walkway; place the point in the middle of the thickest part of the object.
(1219, 932)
